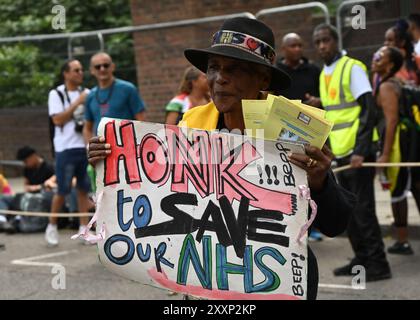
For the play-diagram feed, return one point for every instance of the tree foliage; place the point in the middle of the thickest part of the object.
(28, 70)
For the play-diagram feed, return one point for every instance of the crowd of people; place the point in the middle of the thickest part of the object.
(364, 107)
(75, 113)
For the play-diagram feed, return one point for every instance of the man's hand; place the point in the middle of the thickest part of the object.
(98, 150)
(81, 99)
(383, 158)
(312, 101)
(356, 161)
(50, 184)
(316, 163)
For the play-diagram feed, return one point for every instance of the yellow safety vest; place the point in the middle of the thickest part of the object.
(342, 108)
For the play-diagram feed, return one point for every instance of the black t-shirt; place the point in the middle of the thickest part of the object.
(40, 174)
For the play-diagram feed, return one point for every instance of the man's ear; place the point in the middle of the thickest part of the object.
(64, 74)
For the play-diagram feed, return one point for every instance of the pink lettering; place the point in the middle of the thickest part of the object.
(190, 161)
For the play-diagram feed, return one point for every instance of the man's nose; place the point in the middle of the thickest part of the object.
(221, 76)
(322, 46)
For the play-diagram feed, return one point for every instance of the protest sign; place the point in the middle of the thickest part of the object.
(208, 214)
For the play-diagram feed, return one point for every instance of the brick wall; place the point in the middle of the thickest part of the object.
(380, 15)
(160, 61)
(23, 126)
(159, 53)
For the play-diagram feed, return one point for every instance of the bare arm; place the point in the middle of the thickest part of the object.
(87, 131)
(62, 118)
(172, 117)
(388, 100)
(31, 187)
(141, 116)
(51, 183)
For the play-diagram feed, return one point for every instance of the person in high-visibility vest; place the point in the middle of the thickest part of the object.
(346, 95)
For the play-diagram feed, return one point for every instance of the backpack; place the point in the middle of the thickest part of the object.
(51, 124)
(34, 202)
(410, 107)
(409, 113)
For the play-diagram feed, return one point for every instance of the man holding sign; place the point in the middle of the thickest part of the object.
(239, 65)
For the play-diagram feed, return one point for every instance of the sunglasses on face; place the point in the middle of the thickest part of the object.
(99, 66)
(78, 70)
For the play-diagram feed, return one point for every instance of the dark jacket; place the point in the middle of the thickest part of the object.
(335, 205)
(305, 79)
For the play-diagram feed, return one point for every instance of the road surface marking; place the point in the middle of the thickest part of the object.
(30, 261)
(339, 286)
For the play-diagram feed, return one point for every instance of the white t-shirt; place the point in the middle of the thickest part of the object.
(65, 137)
(359, 82)
(417, 48)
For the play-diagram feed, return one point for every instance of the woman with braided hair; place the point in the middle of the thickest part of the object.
(399, 37)
(394, 147)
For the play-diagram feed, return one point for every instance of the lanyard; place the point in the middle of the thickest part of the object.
(104, 103)
(67, 93)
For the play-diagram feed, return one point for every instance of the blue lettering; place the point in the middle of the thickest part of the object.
(125, 258)
(189, 254)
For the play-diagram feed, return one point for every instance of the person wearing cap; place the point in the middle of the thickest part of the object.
(240, 65)
(38, 175)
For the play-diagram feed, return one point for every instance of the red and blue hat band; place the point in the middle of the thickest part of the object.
(244, 42)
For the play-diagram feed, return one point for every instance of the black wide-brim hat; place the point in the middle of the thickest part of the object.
(244, 39)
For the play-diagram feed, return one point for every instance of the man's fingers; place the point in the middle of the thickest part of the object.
(99, 153)
(327, 151)
(299, 164)
(315, 153)
(97, 139)
(98, 150)
(298, 157)
(99, 146)
(93, 161)
(314, 157)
